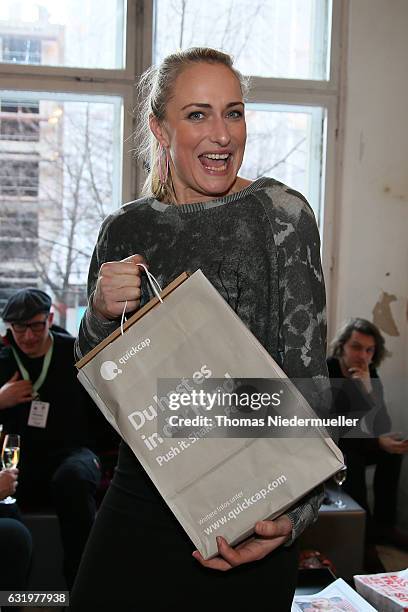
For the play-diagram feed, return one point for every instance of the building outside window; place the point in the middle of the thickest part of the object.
(21, 50)
(19, 120)
(19, 178)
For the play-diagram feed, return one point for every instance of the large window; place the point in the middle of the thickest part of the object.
(66, 100)
(283, 45)
(80, 33)
(276, 38)
(286, 142)
(71, 175)
(68, 112)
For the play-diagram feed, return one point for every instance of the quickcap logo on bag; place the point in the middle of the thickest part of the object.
(133, 350)
(109, 370)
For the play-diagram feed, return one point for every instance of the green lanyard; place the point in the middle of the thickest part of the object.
(44, 371)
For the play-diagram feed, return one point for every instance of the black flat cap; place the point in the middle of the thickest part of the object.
(25, 304)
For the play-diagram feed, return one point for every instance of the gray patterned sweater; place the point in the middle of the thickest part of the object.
(260, 248)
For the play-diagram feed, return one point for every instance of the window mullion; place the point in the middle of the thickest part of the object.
(299, 86)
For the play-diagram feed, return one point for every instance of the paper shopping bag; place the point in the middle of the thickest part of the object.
(214, 486)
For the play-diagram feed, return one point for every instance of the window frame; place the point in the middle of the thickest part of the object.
(139, 37)
(120, 82)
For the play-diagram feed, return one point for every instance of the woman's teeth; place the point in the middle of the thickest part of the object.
(220, 160)
(216, 155)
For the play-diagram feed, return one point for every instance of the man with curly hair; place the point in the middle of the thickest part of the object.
(357, 350)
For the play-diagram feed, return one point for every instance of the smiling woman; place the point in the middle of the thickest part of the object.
(258, 244)
(203, 133)
(198, 130)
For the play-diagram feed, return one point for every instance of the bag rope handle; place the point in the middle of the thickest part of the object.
(154, 285)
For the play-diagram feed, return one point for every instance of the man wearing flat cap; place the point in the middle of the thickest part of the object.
(41, 399)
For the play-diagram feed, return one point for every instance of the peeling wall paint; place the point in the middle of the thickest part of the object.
(382, 314)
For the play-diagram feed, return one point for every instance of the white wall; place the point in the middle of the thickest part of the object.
(372, 256)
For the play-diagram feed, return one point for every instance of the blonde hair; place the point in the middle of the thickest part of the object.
(155, 89)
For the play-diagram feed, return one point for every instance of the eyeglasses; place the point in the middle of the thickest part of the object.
(36, 326)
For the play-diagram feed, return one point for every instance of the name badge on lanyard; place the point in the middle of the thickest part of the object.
(38, 410)
(38, 414)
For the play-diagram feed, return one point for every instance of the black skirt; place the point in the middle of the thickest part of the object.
(139, 558)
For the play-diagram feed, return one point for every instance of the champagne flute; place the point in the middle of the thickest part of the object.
(10, 456)
(339, 479)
